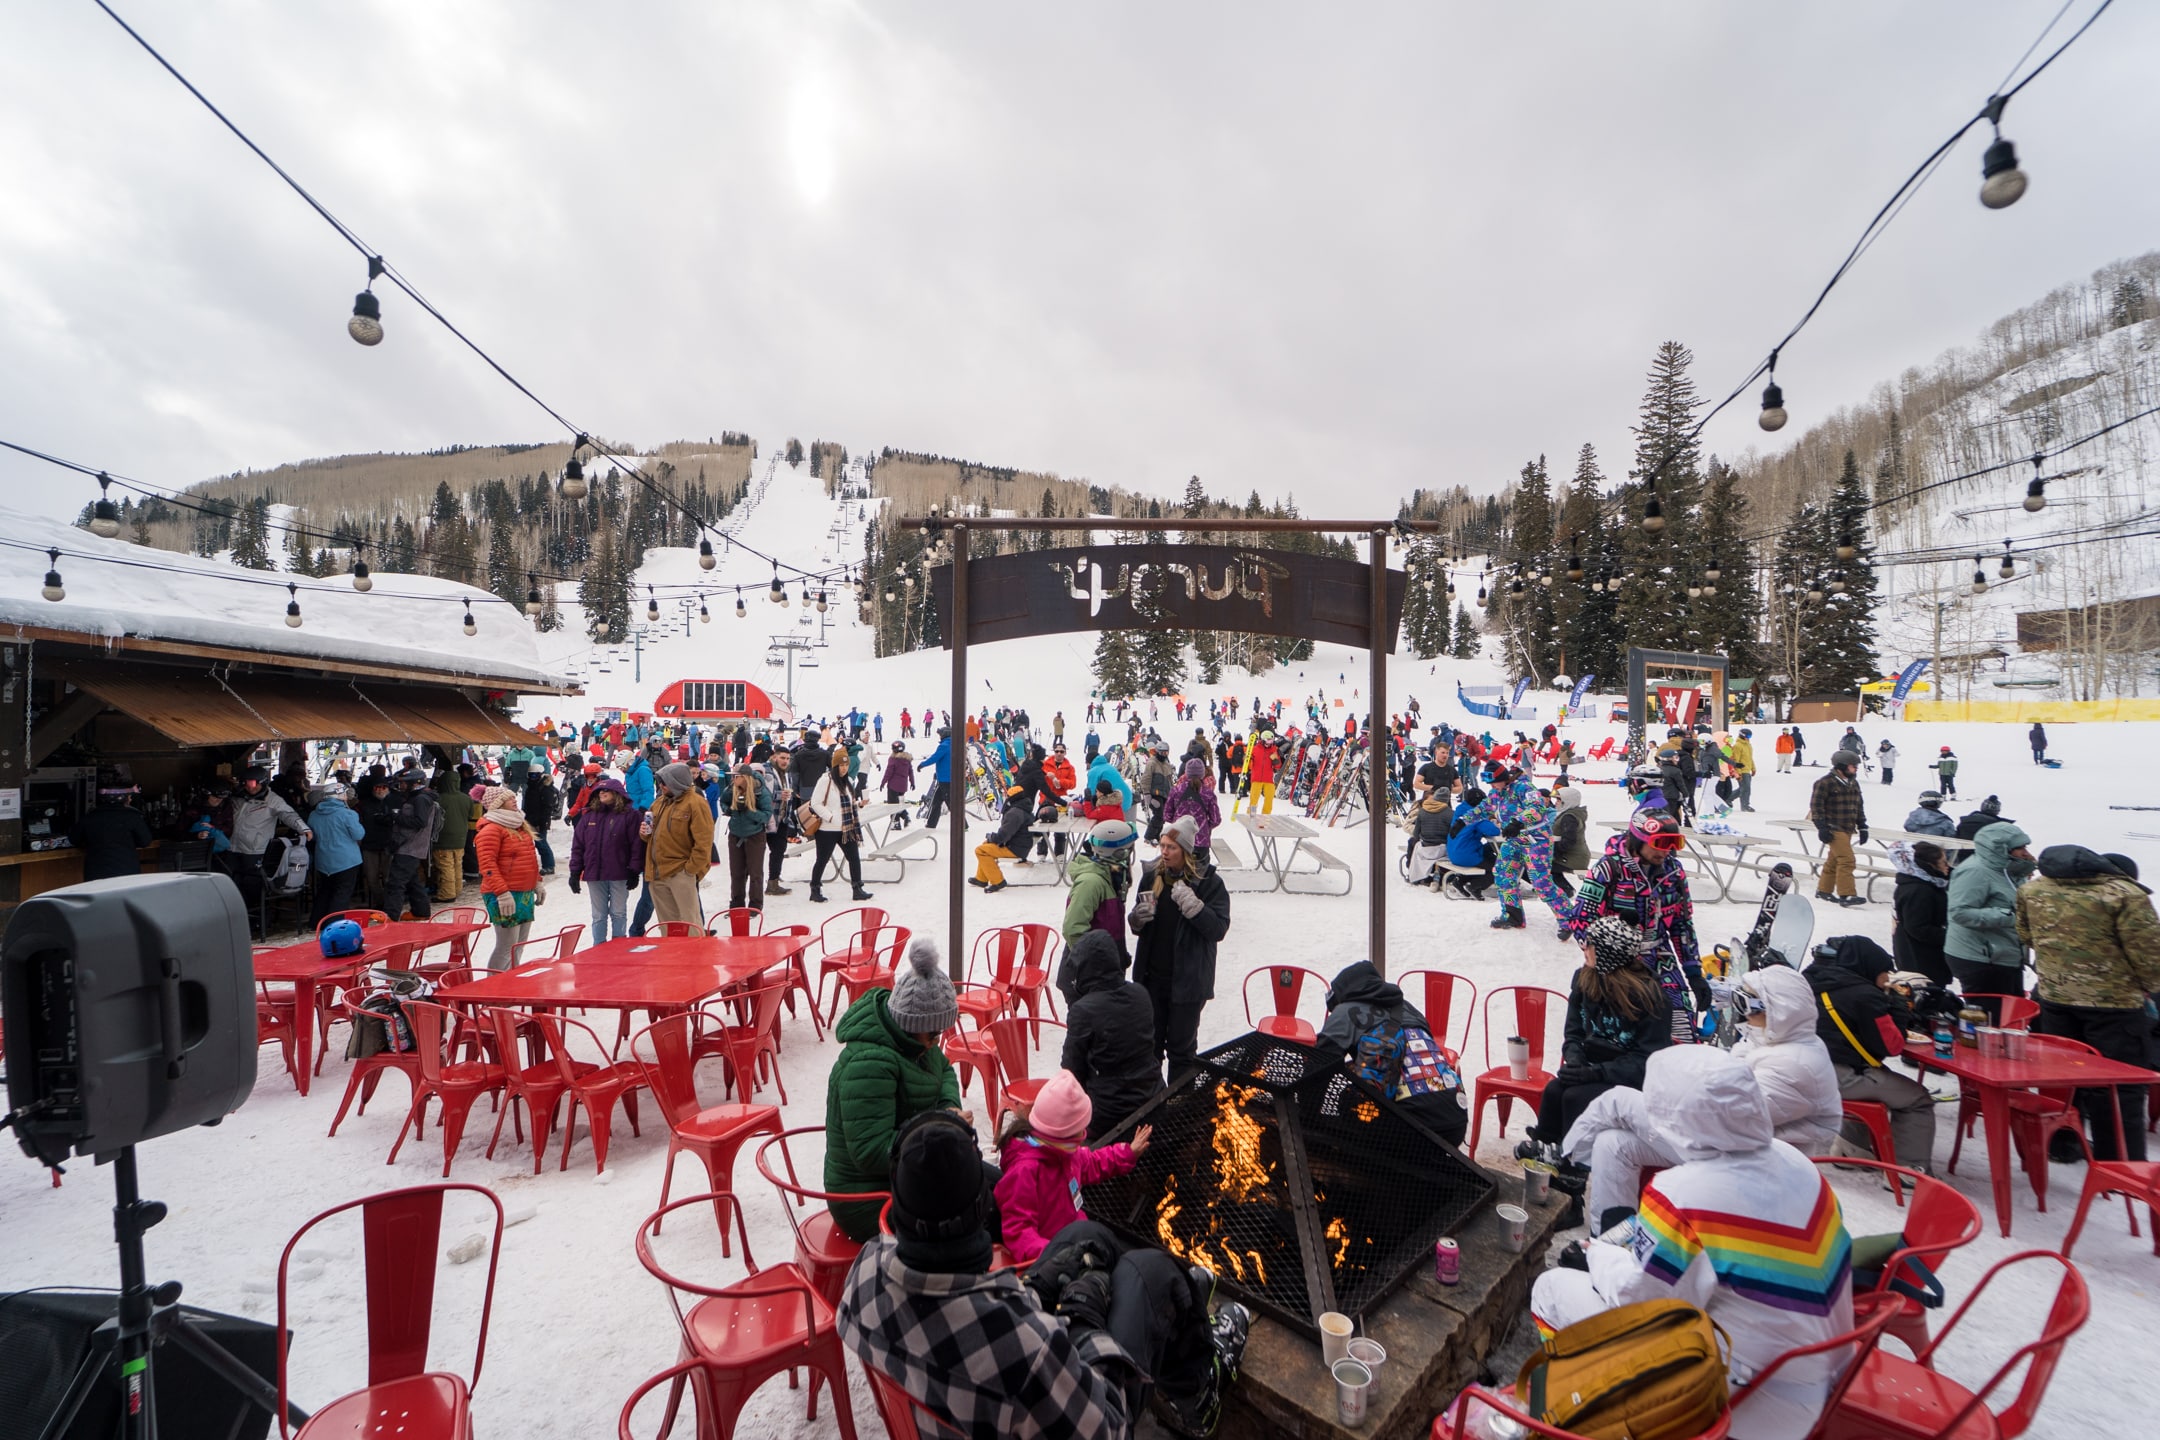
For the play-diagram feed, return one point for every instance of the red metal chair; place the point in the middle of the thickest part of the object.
(897, 1408)
(461, 947)
(401, 1233)
(672, 1377)
(1443, 996)
(593, 1088)
(1535, 1013)
(823, 1252)
(1875, 1116)
(535, 1089)
(836, 939)
(1895, 1397)
(973, 1053)
(1856, 1345)
(712, 1133)
(876, 955)
(1016, 1090)
(2134, 1180)
(1030, 984)
(2036, 1116)
(992, 961)
(737, 921)
(1286, 985)
(455, 1085)
(274, 1020)
(368, 1070)
(366, 919)
(2013, 1012)
(747, 1045)
(678, 929)
(741, 1335)
(1449, 1424)
(1941, 1220)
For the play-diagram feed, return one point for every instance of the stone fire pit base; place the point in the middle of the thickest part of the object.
(1438, 1339)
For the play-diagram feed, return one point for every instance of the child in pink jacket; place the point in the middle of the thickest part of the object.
(1045, 1166)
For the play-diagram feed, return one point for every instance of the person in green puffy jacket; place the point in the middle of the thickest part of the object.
(1982, 944)
(889, 1070)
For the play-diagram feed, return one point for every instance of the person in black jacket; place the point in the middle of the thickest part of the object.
(110, 835)
(1008, 842)
(1922, 904)
(1359, 1003)
(1180, 913)
(542, 806)
(375, 807)
(1110, 1034)
(1617, 1016)
(1863, 1022)
(1973, 822)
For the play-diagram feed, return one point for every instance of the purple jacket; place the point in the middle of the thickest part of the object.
(899, 774)
(1039, 1193)
(1197, 801)
(606, 844)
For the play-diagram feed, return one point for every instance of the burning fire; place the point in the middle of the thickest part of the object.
(1239, 1173)
(1339, 1232)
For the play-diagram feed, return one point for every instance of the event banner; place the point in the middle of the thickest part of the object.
(1677, 702)
(1522, 688)
(1905, 679)
(1582, 688)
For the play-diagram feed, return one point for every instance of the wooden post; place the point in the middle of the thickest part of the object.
(956, 766)
(14, 756)
(1377, 735)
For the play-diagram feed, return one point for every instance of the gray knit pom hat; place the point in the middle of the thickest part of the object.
(923, 1000)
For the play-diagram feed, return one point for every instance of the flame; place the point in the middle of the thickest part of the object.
(1339, 1232)
(1240, 1172)
(1366, 1111)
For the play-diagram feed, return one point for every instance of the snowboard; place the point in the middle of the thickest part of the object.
(1777, 887)
(1792, 932)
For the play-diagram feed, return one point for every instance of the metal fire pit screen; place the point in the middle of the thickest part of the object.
(1304, 1189)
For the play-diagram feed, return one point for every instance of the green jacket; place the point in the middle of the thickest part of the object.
(882, 1078)
(2094, 937)
(757, 819)
(1983, 902)
(457, 817)
(1093, 884)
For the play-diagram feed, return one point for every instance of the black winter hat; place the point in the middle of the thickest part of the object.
(937, 1179)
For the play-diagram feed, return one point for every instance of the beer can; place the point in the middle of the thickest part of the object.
(1447, 1261)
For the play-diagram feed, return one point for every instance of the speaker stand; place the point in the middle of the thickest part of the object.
(121, 1348)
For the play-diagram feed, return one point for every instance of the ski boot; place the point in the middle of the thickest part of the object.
(1510, 919)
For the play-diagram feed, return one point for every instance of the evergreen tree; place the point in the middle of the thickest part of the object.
(1729, 607)
(1841, 656)
(1208, 655)
(445, 507)
(1891, 477)
(450, 550)
(1530, 629)
(550, 616)
(504, 575)
(402, 555)
(1583, 609)
(1159, 661)
(1115, 669)
(1651, 564)
(251, 537)
(1425, 614)
(1467, 640)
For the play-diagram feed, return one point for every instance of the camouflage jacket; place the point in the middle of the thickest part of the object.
(2094, 936)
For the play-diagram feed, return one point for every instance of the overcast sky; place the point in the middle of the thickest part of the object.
(1335, 251)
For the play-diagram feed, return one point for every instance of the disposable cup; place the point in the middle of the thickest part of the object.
(1334, 1337)
(2013, 1044)
(1993, 1042)
(1518, 1058)
(1536, 1185)
(1351, 1380)
(1514, 1227)
(1372, 1355)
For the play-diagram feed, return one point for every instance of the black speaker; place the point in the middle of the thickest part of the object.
(44, 1335)
(130, 1012)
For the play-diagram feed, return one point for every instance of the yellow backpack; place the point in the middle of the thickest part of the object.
(1650, 1371)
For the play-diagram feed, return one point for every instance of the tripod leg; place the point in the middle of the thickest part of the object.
(174, 1326)
(87, 1377)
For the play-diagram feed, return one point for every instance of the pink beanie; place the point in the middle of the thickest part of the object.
(1062, 1110)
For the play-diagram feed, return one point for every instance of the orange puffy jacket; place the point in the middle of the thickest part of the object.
(508, 861)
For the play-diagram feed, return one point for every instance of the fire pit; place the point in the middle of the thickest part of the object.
(1304, 1189)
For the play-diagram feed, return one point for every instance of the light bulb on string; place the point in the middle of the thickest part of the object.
(1574, 565)
(704, 616)
(802, 597)
(2002, 183)
(573, 480)
(705, 558)
(742, 611)
(54, 590)
(1979, 585)
(532, 594)
(1516, 588)
(779, 596)
(2036, 488)
(2007, 569)
(472, 626)
(1694, 590)
(1837, 582)
(1814, 592)
(888, 595)
(1451, 587)
(1846, 548)
(1480, 593)
(821, 602)
(652, 604)
(365, 325)
(1713, 572)
(1653, 515)
(292, 605)
(104, 515)
(1773, 406)
(361, 579)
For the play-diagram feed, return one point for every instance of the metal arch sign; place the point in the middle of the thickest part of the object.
(1169, 587)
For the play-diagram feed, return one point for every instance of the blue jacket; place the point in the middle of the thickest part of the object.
(940, 757)
(1466, 846)
(638, 784)
(337, 836)
(1102, 770)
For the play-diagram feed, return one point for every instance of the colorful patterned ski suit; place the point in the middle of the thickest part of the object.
(1657, 902)
(1527, 855)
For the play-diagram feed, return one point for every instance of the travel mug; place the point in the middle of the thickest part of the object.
(1518, 1058)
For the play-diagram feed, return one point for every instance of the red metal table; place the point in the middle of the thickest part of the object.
(304, 968)
(302, 961)
(636, 974)
(1995, 1076)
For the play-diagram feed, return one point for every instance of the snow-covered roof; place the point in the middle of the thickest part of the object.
(118, 590)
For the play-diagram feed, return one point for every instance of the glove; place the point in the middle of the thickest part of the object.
(1822, 833)
(632, 883)
(1863, 835)
(1512, 829)
(1143, 911)
(573, 884)
(1701, 989)
(1576, 1074)
(1186, 898)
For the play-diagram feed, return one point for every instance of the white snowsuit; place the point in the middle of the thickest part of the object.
(1744, 1227)
(1617, 1137)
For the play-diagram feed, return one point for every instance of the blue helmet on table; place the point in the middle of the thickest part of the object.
(341, 938)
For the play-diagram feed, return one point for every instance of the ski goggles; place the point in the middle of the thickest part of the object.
(1665, 844)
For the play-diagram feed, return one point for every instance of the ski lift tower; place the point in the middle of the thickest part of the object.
(782, 651)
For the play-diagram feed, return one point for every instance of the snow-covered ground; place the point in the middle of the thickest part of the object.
(578, 1323)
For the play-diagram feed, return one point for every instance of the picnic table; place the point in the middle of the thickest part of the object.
(882, 815)
(633, 973)
(303, 966)
(1268, 832)
(1995, 1076)
(1723, 870)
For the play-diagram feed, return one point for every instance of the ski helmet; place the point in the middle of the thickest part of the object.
(340, 938)
(1642, 777)
(1931, 799)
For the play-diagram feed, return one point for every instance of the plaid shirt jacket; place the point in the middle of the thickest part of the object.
(979, 1351)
